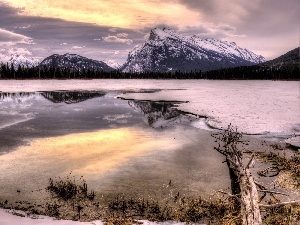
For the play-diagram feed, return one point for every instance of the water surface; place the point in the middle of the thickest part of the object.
(118, 146)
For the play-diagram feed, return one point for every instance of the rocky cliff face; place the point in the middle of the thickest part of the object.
(166, 50)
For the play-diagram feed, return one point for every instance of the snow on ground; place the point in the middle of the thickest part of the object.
(7, 218)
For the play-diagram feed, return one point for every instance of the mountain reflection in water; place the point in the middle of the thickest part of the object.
(160, 114)
(70, 97)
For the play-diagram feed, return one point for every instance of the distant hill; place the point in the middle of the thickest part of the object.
(75, 62)
(284, 67)
(291, 57)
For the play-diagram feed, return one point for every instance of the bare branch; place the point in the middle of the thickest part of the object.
(280, 204)
(250, 163)
(273, 192)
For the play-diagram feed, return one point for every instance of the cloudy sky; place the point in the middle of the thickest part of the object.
(109, 29)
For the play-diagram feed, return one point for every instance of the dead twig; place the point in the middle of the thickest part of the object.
(280, 204)
(273, 192)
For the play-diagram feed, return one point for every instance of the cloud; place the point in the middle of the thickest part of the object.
(114, 13)
(116, 39)
(210, 30)
(64, 43)
(25, 27)
(215, 11)
(19, 51)
(10, 44)
(122, 35)
(113, 30)
(77, 47)
(11, 38)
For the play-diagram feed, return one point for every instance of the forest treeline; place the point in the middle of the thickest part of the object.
(256, 72)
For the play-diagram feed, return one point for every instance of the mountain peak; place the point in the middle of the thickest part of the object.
(158, 34)
(167, 50)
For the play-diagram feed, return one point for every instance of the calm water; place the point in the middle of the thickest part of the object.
(118, 146)
(132, 146)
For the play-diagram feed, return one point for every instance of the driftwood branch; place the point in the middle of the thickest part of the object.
(247, 193)
(250, 163)
(273, 192)
(249, 196)
(280, 204)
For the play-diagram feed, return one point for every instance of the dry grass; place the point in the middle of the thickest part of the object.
(284, 164)
(178, 208)
(284, 215)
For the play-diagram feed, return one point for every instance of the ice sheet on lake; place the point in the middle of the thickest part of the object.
(254, 107)
(294, 141)
(13, 118)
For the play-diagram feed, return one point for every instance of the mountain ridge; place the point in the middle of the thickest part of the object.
(19, 60)
(75, 62)
(291, 57)
(166, 50)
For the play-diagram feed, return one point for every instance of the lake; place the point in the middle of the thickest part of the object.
(133, 137)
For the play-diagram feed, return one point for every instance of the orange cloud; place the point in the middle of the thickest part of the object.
(126, 13)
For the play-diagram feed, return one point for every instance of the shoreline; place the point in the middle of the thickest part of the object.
(252, 143)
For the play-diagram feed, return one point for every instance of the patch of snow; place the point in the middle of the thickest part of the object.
(112, 64)
(13, 217)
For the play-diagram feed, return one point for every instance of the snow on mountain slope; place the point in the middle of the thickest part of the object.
(230, 49)
(113, 64)
(166, 50)
(74, 61)
(17, 60)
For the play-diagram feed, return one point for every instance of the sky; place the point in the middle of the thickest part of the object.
(107, 30)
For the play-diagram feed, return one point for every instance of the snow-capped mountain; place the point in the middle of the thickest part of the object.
(17, 60)
(166, 50)
(113, 64)
(75, 62)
